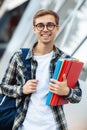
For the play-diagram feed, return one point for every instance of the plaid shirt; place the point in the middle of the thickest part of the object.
(15, 77)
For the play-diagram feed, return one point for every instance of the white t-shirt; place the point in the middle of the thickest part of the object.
(39, 115)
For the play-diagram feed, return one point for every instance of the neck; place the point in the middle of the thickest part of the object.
(42, 49)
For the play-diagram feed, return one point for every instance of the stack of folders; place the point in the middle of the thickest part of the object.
(71, 68)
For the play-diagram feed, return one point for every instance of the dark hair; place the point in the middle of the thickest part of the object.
(44, 12)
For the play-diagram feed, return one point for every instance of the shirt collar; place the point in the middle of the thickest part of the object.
(56, 52)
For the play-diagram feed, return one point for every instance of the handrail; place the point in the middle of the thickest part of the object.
(81, 43)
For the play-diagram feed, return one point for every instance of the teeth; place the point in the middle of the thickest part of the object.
(45, 35)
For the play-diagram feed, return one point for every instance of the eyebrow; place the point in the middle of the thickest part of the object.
(46, 23)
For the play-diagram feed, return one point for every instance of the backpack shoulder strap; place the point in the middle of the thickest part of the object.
(27, 63)
(24, 54)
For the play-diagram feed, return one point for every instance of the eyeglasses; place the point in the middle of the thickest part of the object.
(50, 26)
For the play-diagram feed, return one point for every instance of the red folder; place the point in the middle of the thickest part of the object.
(73, 73)
(56, 98)
(72, 69)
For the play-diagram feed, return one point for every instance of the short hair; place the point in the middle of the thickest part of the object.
(44, 12)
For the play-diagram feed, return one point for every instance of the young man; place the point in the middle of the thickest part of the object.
(34, 114)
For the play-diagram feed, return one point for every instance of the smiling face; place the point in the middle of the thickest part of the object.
(46, 36)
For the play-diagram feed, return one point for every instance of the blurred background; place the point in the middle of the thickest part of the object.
(16, 31)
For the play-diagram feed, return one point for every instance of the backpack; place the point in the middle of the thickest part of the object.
(8, 108)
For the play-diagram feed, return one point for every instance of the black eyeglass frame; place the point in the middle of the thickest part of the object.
(50, 26)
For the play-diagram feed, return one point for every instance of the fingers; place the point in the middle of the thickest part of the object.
(53, 81)
(32, 82)
(30, 86)
(53, 88)
(58, 87)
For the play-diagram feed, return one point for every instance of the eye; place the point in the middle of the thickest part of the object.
(40, 25)
(51, 24)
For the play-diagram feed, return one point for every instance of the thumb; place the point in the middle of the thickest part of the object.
(64, 77)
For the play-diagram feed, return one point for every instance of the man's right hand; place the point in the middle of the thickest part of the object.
(30, 86)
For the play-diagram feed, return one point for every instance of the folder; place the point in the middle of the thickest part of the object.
(71, 68)
(73, 73)
(55, 76)
(55, 99)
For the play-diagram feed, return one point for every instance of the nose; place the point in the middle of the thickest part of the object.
(45, 28)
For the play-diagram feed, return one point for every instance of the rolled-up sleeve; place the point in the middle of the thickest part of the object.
(75, 94)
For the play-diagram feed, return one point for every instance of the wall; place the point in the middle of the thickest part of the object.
(76, 114)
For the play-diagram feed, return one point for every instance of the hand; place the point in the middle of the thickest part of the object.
(60, 88)
(30, 86)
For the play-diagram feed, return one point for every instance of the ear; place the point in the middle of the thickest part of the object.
(34, 29)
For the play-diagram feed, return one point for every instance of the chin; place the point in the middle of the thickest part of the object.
(46, 42)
